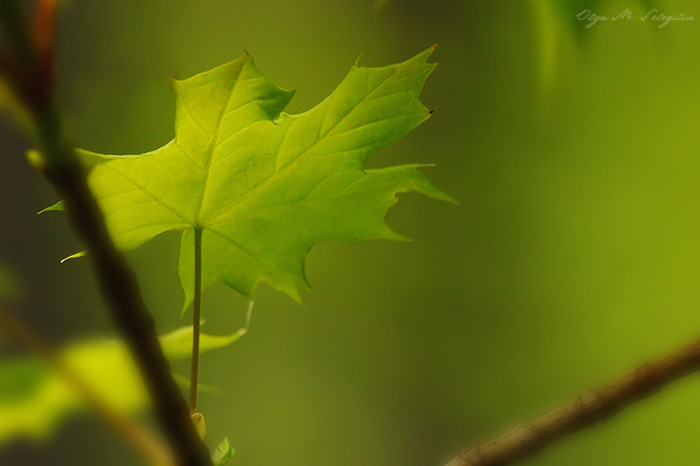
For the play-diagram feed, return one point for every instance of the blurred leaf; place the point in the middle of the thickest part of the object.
(549, 36)
(33, 398)
(223, 453)
(557, 27)
(178, 343)
(201, 388)
(380, 4)
(9, 287)
(19, 379)
(262, 185)
(14, 108)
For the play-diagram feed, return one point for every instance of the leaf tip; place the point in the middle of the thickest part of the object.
(57, 207)
(357, 60)
(295, 291)
(295, 295)
(424, 186)
(447, 198)
(427, 53)
(74, 256)
(394, 236)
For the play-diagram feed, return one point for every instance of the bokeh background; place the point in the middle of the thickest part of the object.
(574, 254)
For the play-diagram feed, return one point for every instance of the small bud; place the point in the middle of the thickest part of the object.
(199, 424)
(36, 160)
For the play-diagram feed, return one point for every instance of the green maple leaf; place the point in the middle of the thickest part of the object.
(263, 186)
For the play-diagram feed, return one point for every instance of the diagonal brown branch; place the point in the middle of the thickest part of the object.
(61, 167)
(592, 407)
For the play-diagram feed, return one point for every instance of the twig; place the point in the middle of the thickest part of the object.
(587, 410)
(117, 280)
(133, 434)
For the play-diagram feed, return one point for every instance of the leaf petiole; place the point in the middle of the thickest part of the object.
(196, 318)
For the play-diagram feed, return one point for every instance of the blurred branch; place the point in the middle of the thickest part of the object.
(591, 408)
(117, 280)
(44, 37)
(134, 435)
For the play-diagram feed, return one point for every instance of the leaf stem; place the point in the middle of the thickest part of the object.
(196, 318)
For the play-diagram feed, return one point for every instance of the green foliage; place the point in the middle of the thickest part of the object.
(10, 106)
(262, 185)
(223, 453)
(33, 399)
(19, 377)
(8, 284)
(560, 30)
(178, 343)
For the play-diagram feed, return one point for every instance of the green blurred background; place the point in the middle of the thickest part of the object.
(574, 254)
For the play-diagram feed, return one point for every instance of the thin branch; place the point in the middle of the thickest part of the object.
(117, 280)
(592, 407)
(133, 434)
(196, 319)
